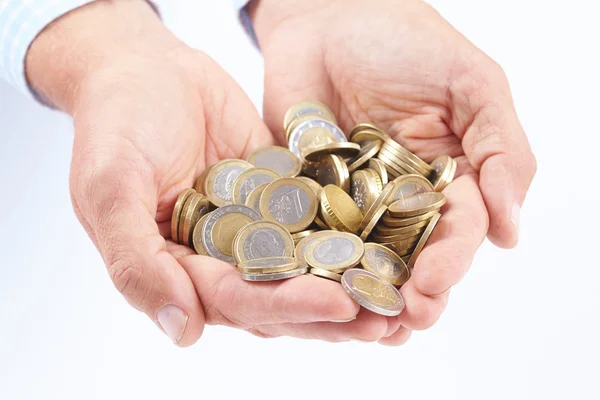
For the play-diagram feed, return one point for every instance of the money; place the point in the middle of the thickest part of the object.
(324, 206)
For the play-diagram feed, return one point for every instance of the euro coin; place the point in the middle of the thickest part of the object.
(219, 181)
(277, 158)
(379, 167)
(195, 207)
(364, 133)
(367, 152)
(385, 263)
(253, 199)
(392, 222)
(334, 171)
(407, 239)
(417, 204)
(338, 210)
(342, 149)
(314, 132)
(365, 189)
(298, 236)
(376, 205)
(372, 292)
(220, 229)
(197, 243)
(332, 276)
(199, 184)
(262, 239)
(409, 229)
(276, 276)
(176, 216)
(392, 168)
(267, 265)
(250, 179)
(399, 160)
(374, 219)
(396, 148)
(300, 250)
(314, 185)
(443, 171)
(290, 202)
(304, 108)
(423, 241)
(409, 185)
(338, 250)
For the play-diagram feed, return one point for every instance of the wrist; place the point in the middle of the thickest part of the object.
(84, 40)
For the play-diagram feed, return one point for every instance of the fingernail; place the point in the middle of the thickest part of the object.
(515, 216)
(173, 321)
(343, 320)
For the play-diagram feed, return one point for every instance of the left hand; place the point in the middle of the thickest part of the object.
(400, 65)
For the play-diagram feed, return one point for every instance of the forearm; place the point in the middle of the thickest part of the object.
(82, 41)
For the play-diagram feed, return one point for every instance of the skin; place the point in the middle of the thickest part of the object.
(151, 113)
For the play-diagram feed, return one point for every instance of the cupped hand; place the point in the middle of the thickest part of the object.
(400, 65)
(150, 114)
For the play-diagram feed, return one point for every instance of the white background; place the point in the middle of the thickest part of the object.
(523, 324)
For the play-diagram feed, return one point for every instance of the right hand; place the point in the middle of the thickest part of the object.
(150, 114)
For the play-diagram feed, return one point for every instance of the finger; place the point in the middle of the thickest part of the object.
(457, 236)
(399, 337)
(496, 145)
(229, 300)
(367, 327)
(114, 193)
(421, 311)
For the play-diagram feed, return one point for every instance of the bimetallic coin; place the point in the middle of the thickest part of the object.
(332, 276)
(401, 250)
(442, 173)
(262, 239)
(364, 133)
(417, 204)
(400, 161)
(342, 149)
(312, 133)
(339, 211)
(401, 240)
(274, 276)
(290, 202)
(195, 207)
(335, 251)
(385, 263)
(311, 107)
(199, 184)
(396, 148)
(298, 236)
(365, 189)
(367, 152)
(314, 185)
(176, 216)
(372, 292)
(423, 240)
(334, 171)
(253, 199)
(249, 180)
(268, 265)
(320, 223)
(300, 249)
(392, 222)
(277, 158)
(392, 166)
(409, 185)
(197, 243)
(376, 205)
(379, 167)
(407, 231)
(222, 225)
(219, 181)
(377, 178)
(364, 234)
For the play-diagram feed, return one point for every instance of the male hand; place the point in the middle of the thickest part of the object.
(150, 114)
(400, 65)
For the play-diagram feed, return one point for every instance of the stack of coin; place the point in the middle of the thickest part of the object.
(360, 214)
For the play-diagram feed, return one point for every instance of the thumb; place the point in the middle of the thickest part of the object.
(114, 196)
(496, 146)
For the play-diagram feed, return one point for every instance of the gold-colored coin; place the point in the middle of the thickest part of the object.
(250, 179)
(338, 250)
(310, 169)
(290, 202)
(365, 189)
(364, 133)
(334, 171)
(379, 167)
(268, 265)
(262, 239)
(279, 159)
(373, 222)
(400, 160)
(376, 177)
(409, 185)
(298, 236)
(314, 185)
(197, 241)
(195, 207)
(372, 292)
(332, 276)
(417, 204)
(320, 223)
(375, 206)
(300, 250)
(253, 199)
(385, 263)
(367, 152)
(342, 149)
(424, 238)
(304, 108)
(176, 216)
(443, 171)
(392, 222)
(405, 158)
(199, 184)
(402, 247)
(405, 259)
(408, 231)
(396, 148)
(338, 209)
(219, 181)
(392, 168)
(410, 237)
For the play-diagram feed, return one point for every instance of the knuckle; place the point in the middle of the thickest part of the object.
(223, 302)
(373, 331)
(129, 279)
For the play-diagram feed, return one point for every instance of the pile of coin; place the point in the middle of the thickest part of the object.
(357, 212)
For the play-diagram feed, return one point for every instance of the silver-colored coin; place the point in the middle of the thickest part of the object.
(252, 183)
(297, 133)
(289, 204)
(207, 229)
(279, 159)
(263, 243)
(383, 264)
(274, 276)
(334, 250)
(372, 292)
(268, 262)
(224, 181)
(359, 194)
